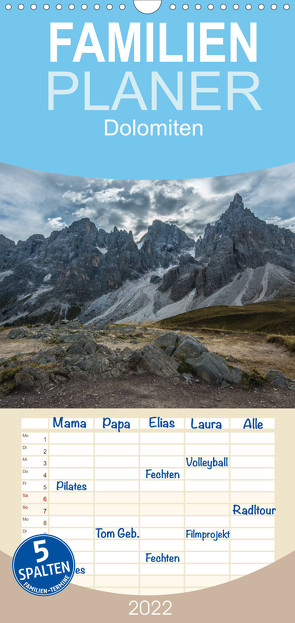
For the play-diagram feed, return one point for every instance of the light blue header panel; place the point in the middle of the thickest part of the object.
(169, 128)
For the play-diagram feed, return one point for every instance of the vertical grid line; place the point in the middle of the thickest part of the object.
(93, 501)
(139, 510)
(21, 478)
(275, 491)
(229, 497)
(48, 471)
(184, 507)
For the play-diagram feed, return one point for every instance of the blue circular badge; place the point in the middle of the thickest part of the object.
(43, 565)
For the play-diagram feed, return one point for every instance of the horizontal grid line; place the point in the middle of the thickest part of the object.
(161, 539)
(132, 503)
(145, 444)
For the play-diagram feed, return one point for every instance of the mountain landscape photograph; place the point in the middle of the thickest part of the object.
(122, 284)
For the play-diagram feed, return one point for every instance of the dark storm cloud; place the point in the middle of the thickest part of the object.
(36, 202)
(170, 204)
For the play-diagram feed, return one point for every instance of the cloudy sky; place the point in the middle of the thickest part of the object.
(34, 202)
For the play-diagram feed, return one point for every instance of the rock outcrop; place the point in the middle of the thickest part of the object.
(76, 354)
(72, 353)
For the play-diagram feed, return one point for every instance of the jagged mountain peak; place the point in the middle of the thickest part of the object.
(237, 202)
(31, 245)
(159, 224)
(161, 232)
(237, 198)
(120, 238)
(236, 210)
(239, 259)
(163, 244)
(121, 232)
(164, 226)
(238, 219)
(83, 226)
(7, 247)
(4, 240)
(238, 224)
(238, 241)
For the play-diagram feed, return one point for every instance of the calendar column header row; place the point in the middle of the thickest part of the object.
(121, 425)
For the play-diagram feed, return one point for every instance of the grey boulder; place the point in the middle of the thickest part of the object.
(189, 347)
(277, 378)
(168, 340)
(152, 359)
(213, 369)
(83, 347)
(28, 378)
(17, 333)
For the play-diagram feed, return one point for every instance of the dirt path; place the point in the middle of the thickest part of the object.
(10, 348)
(26, 346)
(250, 350)
(147, 391)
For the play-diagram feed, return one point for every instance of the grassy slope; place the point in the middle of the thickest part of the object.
(269, 317)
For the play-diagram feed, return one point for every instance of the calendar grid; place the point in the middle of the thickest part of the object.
(120, 486)
(93, 508)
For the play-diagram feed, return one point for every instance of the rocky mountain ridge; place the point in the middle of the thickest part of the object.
(85, 272)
